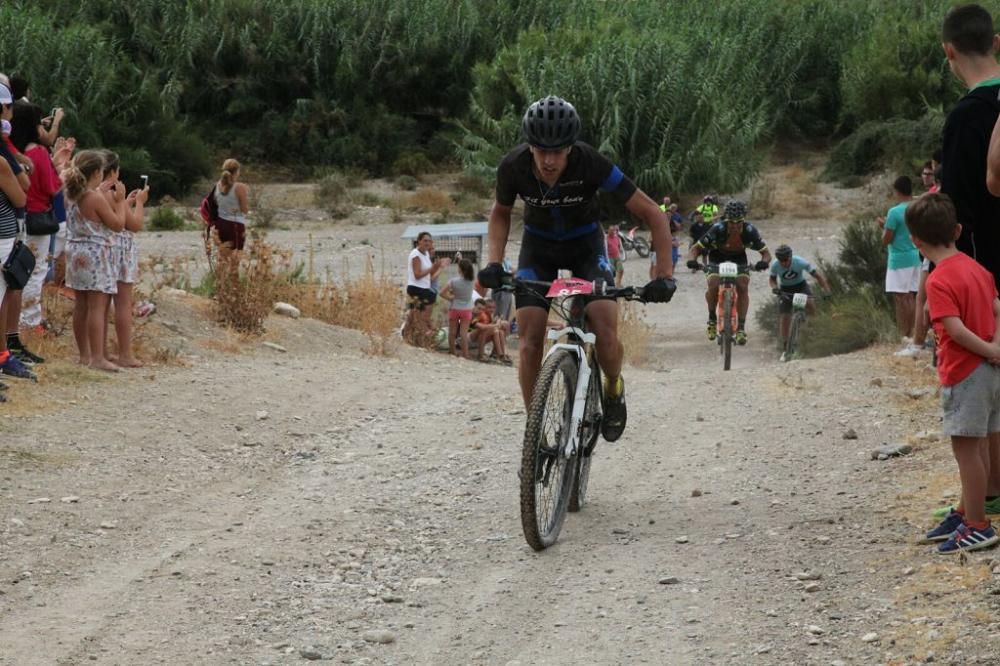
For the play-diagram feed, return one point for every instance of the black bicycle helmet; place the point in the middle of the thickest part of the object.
(551, 123)
(783, 252)
(735, 211)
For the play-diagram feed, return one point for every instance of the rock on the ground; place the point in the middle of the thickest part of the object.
(287, 310)
(870, 637)
(382, 636)
(891, 451)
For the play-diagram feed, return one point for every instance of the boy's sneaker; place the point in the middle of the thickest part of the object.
(968, 538)
(13, 367)
(909, 351)
(26, 355)
(943, 532)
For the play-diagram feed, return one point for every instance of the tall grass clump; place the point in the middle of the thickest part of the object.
(245, 286)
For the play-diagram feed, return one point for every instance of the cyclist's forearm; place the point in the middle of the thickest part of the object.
(497, 232)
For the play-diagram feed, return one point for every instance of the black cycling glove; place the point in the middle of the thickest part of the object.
(493, 276)
(776, 291)
(693, 264)
(761, 265)
(660, 290)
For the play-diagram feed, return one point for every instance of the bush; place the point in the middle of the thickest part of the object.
(901, 145)
(332, 195)
(245, 286)
(406, 182)
(412, 163)
(166, 219)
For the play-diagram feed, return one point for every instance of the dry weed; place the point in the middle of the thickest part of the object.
(370, 303)
(245, 286)
(635, 333)
(429, 200)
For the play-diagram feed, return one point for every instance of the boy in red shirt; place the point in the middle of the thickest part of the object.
(965, 312)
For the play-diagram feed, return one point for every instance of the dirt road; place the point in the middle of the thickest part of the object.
(321, 504)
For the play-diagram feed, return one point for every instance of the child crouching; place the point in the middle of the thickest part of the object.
(965, 312)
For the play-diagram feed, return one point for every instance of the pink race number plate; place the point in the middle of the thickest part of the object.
(570, 287)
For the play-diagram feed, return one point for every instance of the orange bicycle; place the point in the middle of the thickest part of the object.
(726, 315)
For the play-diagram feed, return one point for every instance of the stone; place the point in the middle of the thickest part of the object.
(812, 587)
(275, 346)
(381, 636)
(815, 630)
(669, 580)
(890, 451)
(807, 575)
(695, 493)
(870, 637)
(918, 393)
(40, 500)
(734, 502)
(875, 382)
(262, 415)
(681, 539)
(287, 310)
(425, 582)
(108, 525)
(908, 571)
(850, 434)
(619, 530)
(70, 499)
(310, 653)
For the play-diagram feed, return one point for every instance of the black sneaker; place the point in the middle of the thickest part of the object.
(13, 367)
(615, 416)
(27, 356)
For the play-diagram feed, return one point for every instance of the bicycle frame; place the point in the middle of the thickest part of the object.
(581, 349)
(728, 273)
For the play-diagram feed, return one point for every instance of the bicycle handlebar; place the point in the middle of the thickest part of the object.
(601, 288)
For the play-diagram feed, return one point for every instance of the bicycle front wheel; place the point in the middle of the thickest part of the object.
(588, 440)
(727, 329)
(641, 246)
(547, 476)
(793, 334)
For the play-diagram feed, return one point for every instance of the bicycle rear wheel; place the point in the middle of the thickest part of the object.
(547, 476)
(588, 440)
(727, 329)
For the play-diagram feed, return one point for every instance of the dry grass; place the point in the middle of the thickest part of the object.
(762, 198)
(635, 333)
(428, 200)
(245, 285)
(370, 303)
(792, 191)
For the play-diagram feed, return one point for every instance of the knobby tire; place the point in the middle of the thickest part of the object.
(727, 329)
(793, 334)
(544, 505)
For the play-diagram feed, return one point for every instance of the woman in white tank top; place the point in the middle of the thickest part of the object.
(231, 197)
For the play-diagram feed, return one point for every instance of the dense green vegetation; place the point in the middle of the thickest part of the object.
(683, 94)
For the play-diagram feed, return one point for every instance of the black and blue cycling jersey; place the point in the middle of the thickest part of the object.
(568, 209)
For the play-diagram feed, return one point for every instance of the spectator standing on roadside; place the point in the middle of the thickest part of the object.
(902, 276)
(614, 243)
(231, 197)
(12, 196)
(459, 291)
(964, 308)
(40, 221)
(970, 45)
(927, 178)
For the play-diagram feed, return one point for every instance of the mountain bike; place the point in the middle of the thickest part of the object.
(726, 311)
(799, 303)
(564, 417)
(633, 242)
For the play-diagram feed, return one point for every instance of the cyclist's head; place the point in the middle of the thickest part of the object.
(551, 123)
(783, 253)
(735, 212)
(709, 199)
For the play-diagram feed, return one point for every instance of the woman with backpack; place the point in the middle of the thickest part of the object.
(230, 198)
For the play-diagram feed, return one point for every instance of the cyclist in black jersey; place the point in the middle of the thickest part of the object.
(727, 241)
(558, 178)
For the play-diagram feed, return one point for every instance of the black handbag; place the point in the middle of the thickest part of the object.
(41, 224)
(18, 266)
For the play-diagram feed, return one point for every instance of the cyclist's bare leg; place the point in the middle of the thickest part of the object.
(531, 325)
(712, 295)
(602, 316)
(743, 296)
(784, 327)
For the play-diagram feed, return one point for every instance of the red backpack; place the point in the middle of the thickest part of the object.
(209, 208)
